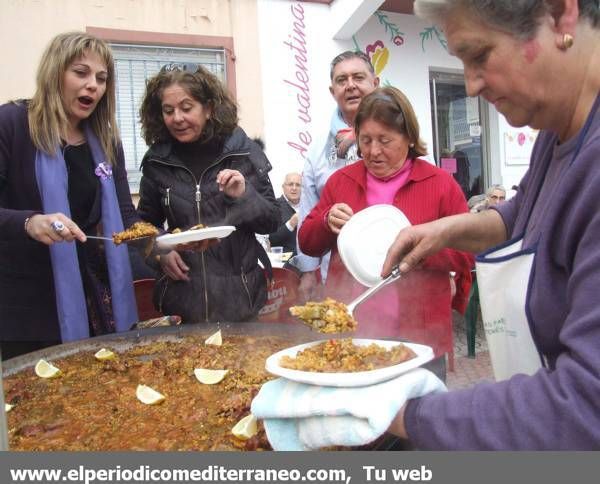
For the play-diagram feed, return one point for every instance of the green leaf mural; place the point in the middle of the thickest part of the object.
(429, 34)
(356, 46)
(396, 36)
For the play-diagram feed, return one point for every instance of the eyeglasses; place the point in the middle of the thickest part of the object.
(178, 66)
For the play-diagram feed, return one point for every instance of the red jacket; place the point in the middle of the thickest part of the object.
(418, 306)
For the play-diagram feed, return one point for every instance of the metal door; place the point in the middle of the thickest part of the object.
(459, 132)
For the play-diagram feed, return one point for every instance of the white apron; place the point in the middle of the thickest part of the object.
(503, 275)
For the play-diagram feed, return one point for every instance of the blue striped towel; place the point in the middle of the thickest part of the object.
(298, 416)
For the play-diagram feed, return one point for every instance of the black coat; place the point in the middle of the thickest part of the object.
(227, 284)
(283, 236)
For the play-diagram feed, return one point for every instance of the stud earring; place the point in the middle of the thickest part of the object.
(567, 41)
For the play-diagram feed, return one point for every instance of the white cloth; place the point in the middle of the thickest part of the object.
(308, 417)
(503, 275)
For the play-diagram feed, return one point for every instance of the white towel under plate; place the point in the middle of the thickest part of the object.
(298, 416)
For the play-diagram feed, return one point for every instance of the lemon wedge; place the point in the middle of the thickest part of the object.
(245, 428)
(105, 354)
(8, 407)
(43, 369)
(214, 339)
(209, 377)
(148, 395)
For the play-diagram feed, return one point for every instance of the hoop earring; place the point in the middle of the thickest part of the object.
(567, 42)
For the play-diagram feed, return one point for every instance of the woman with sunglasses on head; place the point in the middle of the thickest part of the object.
(417, 308)
(62, 176)
(538, 272)
(201, 168)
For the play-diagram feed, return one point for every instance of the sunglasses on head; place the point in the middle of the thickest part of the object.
(178, 66)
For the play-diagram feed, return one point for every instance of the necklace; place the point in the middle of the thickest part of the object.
(75, 142)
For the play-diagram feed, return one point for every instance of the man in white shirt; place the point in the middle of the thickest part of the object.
(352, 77)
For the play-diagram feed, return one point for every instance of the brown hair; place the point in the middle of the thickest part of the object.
(392, 108)
(48, 121)
(204, 87)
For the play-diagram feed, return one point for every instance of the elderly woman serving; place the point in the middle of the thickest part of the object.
(538, 62)
(391, 172)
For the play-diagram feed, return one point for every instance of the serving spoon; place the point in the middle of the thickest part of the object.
(394, 276)
(110, 239)
(317, 321)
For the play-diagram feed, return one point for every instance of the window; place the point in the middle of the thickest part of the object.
(460, 132)
(133, 65)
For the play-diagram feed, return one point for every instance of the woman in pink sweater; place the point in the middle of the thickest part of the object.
(418, 307)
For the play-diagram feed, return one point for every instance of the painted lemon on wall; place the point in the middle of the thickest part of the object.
(379, 55)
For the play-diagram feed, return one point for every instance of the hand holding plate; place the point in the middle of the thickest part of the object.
(173, 266)
(337, 217)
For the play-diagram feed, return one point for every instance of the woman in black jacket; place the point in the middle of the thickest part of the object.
(201, 168)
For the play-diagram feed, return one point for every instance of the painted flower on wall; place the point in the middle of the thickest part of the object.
(396, 36)
(379, 55)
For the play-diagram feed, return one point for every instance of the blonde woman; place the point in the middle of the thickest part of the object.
(62, 176)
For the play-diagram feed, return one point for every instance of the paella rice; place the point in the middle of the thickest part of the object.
(137, 230)
(328, 316)
(92, 405)
(342, 355)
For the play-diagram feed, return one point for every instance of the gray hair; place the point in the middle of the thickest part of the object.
(350, 54)
(520, 18)
(490, 190)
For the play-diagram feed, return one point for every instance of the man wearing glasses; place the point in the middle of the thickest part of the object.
(288, 204)
(493, 196)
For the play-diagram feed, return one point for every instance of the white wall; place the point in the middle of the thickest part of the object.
(283, 123)
(407, 68)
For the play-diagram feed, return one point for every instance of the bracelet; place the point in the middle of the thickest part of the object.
(25, 224)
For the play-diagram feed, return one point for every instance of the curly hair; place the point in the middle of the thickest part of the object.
(204, 87)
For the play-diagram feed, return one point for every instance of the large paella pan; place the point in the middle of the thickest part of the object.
(92, 404)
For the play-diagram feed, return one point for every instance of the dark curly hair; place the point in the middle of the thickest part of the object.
(204, 87)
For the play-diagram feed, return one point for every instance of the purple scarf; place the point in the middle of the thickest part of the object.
(51, 175)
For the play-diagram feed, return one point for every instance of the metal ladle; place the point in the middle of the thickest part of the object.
(394, 276)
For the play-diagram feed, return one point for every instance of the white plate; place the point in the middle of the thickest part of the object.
(365, 239)
(356, 379)
(171, 240)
